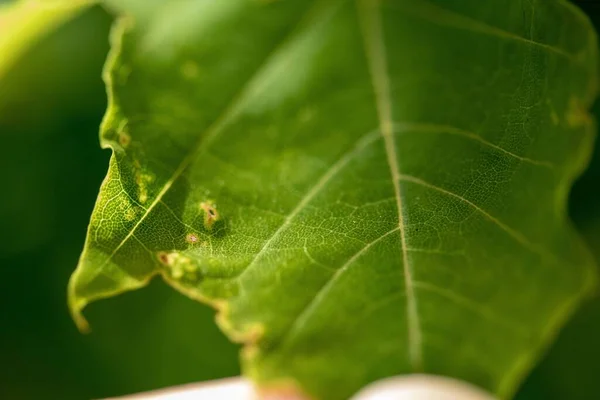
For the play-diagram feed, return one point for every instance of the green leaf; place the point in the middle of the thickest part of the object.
(361, 189)
(24, 22)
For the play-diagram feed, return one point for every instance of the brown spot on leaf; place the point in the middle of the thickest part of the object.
(211, 215)
(191, 238)
(143, 180)
(179, 266)
(163, 258)
(124, 139)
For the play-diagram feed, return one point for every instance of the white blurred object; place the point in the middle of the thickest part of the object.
(227, 389)
(421, 387)
(406, 387)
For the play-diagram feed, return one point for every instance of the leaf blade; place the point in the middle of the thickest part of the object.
(346, 226)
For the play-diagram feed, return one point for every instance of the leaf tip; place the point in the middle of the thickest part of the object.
(76, 306)
(80, 321)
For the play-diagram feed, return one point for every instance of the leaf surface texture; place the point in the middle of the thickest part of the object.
(361, 188)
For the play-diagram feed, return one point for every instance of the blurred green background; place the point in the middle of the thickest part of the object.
(51, 103)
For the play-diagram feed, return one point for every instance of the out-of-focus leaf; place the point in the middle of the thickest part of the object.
(142, 10)
(49, 80)
(362, 188)
(24, 22)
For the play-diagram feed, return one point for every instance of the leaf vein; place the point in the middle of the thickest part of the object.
(467, 303)
(309, 309)
(333, 170)
(518, 236)
(444, 17)
(204, 140)
(402, 127)
(370, 15)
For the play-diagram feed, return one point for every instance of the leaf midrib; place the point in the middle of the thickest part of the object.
(369, 14)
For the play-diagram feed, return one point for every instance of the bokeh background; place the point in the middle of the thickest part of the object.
(51, 166)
